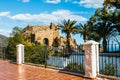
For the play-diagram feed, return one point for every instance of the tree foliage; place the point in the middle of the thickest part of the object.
(33, 52)
(68, 27)
(15, 39)
(103, 25)
(85, 30)
(112, 3)
(116, 15)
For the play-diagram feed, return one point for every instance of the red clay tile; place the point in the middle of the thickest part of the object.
(9, 71)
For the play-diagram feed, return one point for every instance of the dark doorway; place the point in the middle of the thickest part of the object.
(46, 41)
(32, 38)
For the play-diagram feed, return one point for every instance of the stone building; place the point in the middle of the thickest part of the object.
(47, 34)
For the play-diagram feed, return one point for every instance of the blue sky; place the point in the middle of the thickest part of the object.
(42, 12)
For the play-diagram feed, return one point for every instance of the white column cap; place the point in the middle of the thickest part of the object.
(20, 45)
(91, 42)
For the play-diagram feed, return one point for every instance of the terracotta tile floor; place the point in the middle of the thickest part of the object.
(9, 71)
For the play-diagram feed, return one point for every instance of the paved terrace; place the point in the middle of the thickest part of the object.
(10, 71)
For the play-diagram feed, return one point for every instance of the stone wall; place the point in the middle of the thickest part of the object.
(38, 33)
(41, 32)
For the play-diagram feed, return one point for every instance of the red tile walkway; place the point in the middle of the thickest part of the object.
(9, 71)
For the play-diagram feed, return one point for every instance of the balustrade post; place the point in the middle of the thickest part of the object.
(91, 59)
(20, 54)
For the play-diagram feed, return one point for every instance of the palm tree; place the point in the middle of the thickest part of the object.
(103, 24)
(84, 30)
(68, 27)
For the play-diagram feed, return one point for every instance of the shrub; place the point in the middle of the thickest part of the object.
(81, 47)
(109, 70)
(75, 67)
(34, 54)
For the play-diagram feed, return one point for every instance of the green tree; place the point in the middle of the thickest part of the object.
(112, 3)
(116, 15)
(15, 39)
(85, 30)
(33, 52)
(68, 27)
(103, 24)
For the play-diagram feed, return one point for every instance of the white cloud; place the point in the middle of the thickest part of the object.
(56, 1)
(67, 0)
(25, 1)
(54, 16)
(90, 3)
(44, 18)
(5, 32)
(7, 13)
(53, 1)
(66, 14)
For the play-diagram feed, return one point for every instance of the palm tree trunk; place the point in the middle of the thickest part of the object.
(68, 43)
(85, 38)
(85, 41)
(104, 45)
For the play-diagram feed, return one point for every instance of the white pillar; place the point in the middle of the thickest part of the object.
(91, 59)
(20, 54)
